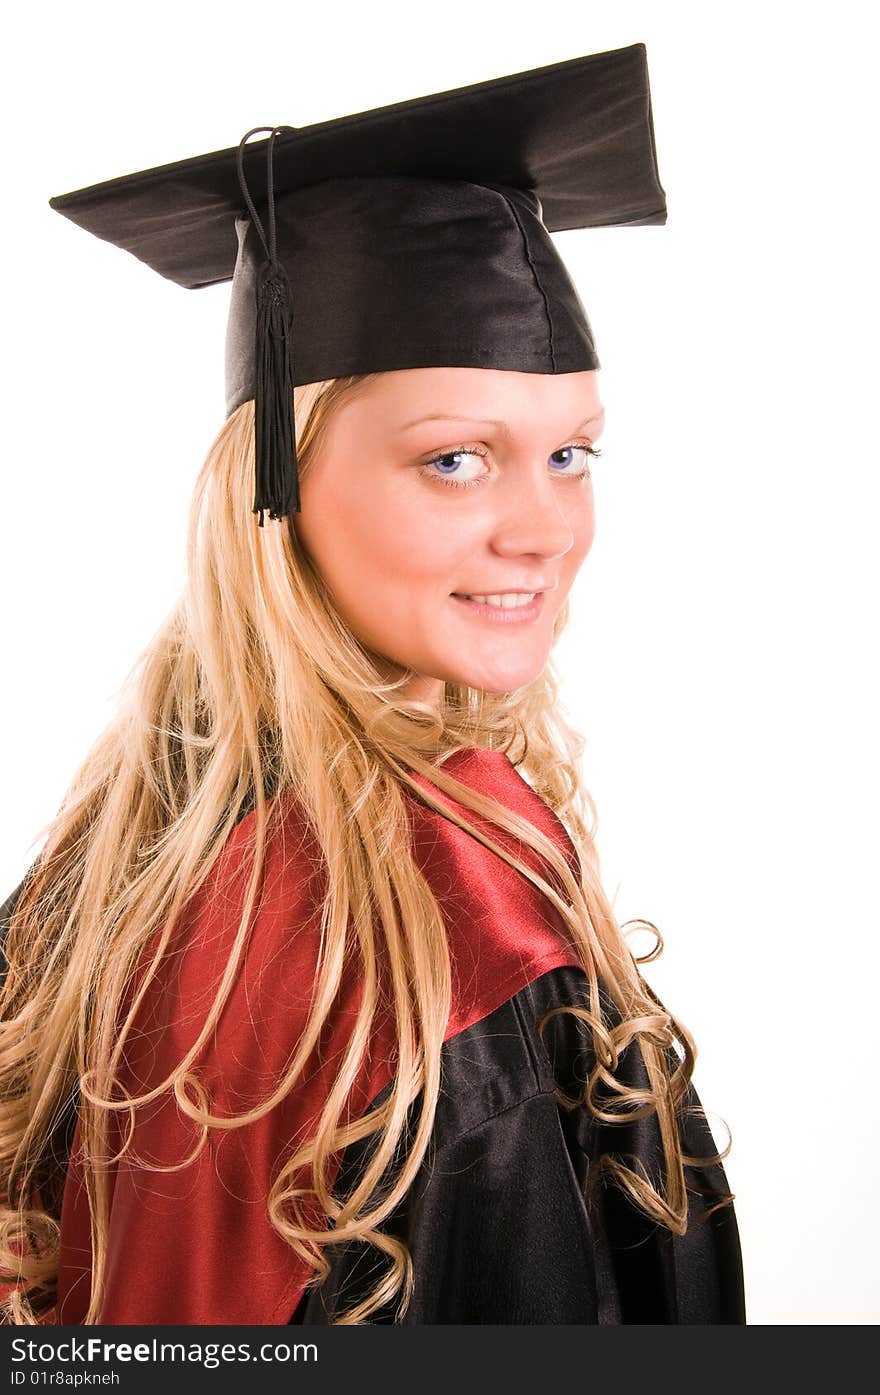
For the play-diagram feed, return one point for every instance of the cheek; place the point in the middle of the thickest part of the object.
(587, 534)
(379, 542)
(583, 528)
(406, 545)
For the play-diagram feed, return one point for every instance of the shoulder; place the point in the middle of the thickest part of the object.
(261, 965)
(503, 931)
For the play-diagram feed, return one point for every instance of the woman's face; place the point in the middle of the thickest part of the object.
(432, 484)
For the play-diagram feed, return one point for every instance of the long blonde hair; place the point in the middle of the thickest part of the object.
(251, 687)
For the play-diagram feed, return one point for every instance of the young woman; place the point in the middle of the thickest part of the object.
(316, 1010)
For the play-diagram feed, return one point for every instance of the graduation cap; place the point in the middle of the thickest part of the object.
(414, 235)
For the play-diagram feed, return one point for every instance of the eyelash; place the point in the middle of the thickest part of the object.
(474, 450)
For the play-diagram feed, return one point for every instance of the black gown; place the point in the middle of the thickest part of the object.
(497, 1222)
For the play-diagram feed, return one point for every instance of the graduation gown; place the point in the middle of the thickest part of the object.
(496, 1221)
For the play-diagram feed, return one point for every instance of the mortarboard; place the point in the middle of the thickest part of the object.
(414, 235)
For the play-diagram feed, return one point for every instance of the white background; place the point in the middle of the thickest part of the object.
(721, 661)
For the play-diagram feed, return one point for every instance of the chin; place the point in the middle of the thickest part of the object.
(498, 681)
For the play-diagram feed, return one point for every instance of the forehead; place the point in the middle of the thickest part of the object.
(409, 396)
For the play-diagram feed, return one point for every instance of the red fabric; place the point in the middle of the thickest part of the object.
(195, 1246)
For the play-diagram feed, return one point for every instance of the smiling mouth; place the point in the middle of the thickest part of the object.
(506, 608)
(507, 599)
(513, 596)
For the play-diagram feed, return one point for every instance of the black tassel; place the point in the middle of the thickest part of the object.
(277, 478)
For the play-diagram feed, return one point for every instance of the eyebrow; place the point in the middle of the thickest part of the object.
(500, 426)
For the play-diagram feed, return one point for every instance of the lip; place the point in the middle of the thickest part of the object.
(502, 615)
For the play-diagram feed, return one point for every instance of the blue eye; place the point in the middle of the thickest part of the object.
(452, 460)
(450, 463)
(567, 451)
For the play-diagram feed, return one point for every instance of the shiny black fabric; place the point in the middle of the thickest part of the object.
(412, 273)
(413, 235)
(497, 1222)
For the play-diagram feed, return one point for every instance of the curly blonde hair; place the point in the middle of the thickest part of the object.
(253, 686)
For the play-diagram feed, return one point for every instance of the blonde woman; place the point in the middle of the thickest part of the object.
(316, 1009)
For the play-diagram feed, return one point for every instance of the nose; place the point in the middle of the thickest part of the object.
(533, 514)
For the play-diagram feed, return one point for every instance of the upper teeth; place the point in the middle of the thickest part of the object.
(506, 598)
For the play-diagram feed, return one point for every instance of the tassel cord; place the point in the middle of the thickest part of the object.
(276, 474)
